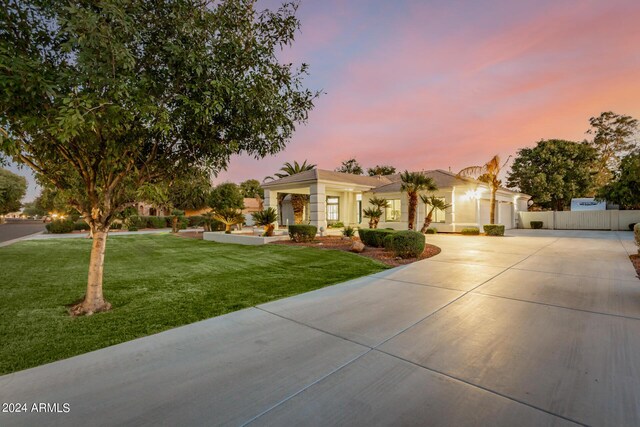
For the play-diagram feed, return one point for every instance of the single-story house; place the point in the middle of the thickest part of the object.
(341, 197)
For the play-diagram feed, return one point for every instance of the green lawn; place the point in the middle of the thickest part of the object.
(155, 282)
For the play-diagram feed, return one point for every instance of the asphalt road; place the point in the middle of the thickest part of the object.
(14, 230)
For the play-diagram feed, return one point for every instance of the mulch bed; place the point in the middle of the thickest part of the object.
(378, 254)
(635, 260)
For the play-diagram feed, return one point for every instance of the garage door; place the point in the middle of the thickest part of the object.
(506, 215)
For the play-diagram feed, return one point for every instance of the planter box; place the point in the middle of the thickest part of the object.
(241, 239)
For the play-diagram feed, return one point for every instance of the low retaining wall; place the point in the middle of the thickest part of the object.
(241, 239)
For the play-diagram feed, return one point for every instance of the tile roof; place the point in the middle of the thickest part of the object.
(326, 175)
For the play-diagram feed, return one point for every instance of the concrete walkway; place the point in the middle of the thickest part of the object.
(538, 328)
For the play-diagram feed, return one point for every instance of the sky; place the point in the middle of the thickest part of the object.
(448, 84)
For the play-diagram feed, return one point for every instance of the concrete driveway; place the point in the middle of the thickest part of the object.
(537, 328)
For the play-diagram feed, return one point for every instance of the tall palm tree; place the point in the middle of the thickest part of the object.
(298, 201)
(487, 173)
(412, 184)
(433, 203)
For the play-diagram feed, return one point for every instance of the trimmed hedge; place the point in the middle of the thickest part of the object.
(338, 224)
(431, 231)
(405, 244)
(81, 226)
(470, 231)
(536, 224)
(374, 237)
(493, 230)
(636, 234)
(302, 232)
(60, 226)
(155, 221)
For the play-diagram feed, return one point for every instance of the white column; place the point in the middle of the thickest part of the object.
(271, 201)
(478, 212)
(318, 205)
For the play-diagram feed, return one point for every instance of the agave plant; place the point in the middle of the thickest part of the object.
(266, 219)
(487, 173)
(229, 217)
(433, 203)
(375, 212)
(412, 184)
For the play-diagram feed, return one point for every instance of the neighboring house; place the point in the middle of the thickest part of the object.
(251, 205)
(341, 197)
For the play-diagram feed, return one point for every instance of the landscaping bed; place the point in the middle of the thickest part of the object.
(635, 260)
(378, 254)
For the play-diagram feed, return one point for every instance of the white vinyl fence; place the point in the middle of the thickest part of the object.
(585, 220)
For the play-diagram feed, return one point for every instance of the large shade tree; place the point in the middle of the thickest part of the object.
(103, 97)
(488, 173)
(614, 137)
(12, 190)
(413, 183)
(553, 172)
(624, 189)
(298, 201)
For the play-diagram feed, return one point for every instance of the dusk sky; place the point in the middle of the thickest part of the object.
(439, 84)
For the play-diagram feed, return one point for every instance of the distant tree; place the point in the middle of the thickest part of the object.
(190, 191)
(12, 189)
(554, 171)
(251, 188)
(101, 98)
(298, 201)
(381, 170)
(32, 209)
(350, 166)
(624, 189)
(488, 173)
(614, 136)
(226, 196)
(375, 212)
(412, 184)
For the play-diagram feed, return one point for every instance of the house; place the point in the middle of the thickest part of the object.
(341, 197)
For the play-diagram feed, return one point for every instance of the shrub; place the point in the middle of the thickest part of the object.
(81, 226)
(156, 222)
(116, 226)
(470, 231)
(302, 232)
(636, 234)
(374, 236)
(536, 224)
(631, 226)
(60, 226)
(337, 224)
(493, 230)
(266, 218)
(132, 228)
(405, 244)
(349, 231)
(196, 221)
(136, 222)
(431, 231)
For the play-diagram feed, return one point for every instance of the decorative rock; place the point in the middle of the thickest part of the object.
(357, 247)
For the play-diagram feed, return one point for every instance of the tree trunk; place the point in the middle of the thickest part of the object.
(413, 204)
(427, 222)
(268, 230)
(94, 301)
(227, 228)
(492, 209)
(297, 203)
(372, 223)
(174, 224)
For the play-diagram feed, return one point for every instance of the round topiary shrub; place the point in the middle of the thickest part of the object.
(470, 231)
(493, 229)
(405, 244)
(431, 231)
(536, 224)
(302, 232)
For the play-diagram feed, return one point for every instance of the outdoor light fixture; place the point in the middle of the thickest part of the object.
(473, 194)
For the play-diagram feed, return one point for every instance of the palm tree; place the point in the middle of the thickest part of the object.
(229, 217)
(487, 173)
(374, 213)
(412, 184)
(266, 218)
(434, 203)
(298, 201)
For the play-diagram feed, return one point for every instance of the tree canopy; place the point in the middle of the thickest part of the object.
(226, 196)
(554, 171)
(104, 98)
(624, 189)
(351, 166)
(252, 188)
(381, 170)
(12, 189)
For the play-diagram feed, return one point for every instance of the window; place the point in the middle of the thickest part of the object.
(392, 212)
(333, 208)
(438, 214)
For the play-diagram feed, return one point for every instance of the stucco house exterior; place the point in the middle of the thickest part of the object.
(341, 197)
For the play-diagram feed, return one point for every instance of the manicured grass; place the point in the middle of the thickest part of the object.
(155, 282)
